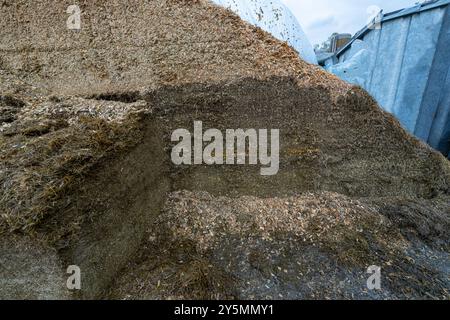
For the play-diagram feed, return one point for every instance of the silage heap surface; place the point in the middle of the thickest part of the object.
(85, 162)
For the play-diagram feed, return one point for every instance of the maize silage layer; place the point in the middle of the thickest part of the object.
(87, 178)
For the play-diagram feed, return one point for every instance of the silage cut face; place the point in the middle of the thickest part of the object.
(274, 17)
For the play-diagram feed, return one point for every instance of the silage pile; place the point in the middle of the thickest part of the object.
(85, 131)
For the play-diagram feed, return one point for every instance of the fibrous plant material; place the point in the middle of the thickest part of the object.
(85, 161)
(308, 246)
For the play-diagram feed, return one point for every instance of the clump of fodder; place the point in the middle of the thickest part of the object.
(43, 161)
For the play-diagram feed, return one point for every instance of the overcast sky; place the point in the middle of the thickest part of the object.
(320, 18)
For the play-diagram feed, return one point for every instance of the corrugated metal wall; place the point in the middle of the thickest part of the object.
(407, 70)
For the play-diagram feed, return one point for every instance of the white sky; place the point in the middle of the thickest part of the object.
(320, 18)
